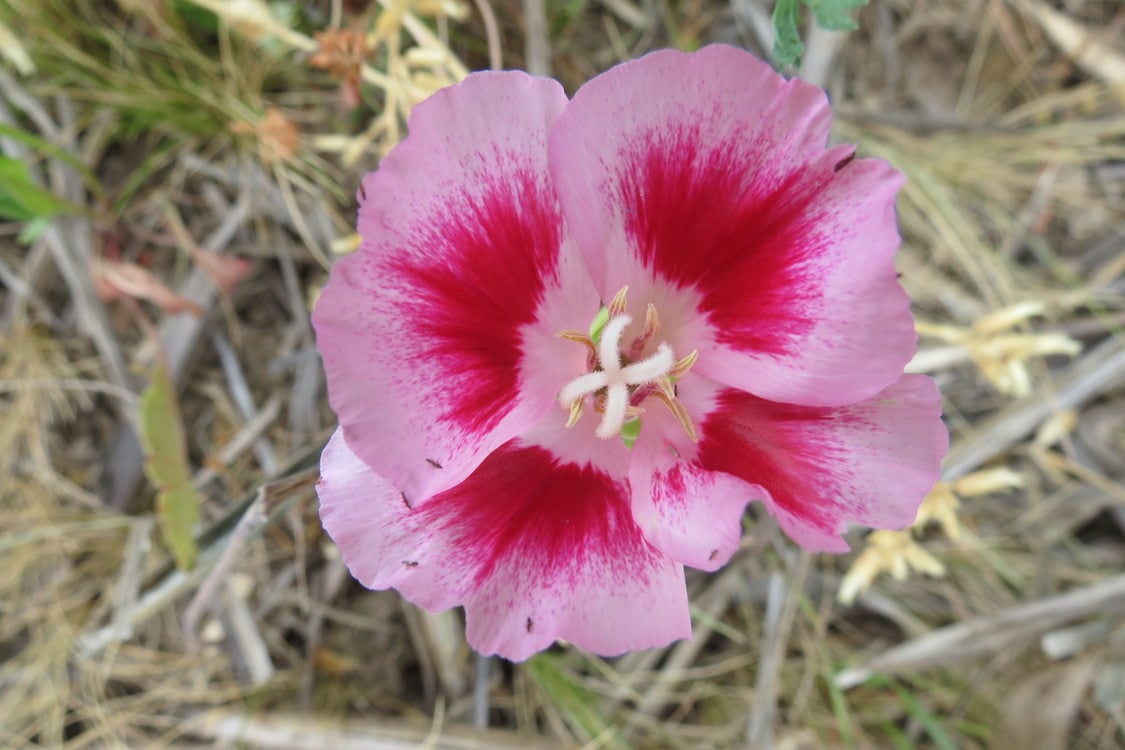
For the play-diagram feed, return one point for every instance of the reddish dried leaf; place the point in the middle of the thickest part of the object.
(224, 271)
(117, 278)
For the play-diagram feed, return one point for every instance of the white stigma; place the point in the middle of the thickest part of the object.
(616, 379)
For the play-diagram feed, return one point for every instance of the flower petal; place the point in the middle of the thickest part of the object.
(724, 191)
(422, 330)
(870, 463)
(691, 514)
(535, 550)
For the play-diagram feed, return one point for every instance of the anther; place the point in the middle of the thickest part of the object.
(579, 337)
(618, 304)
(680, 413)
(652, 326)
(575, 413)
(681, 368)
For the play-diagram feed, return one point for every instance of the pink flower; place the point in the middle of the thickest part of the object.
(763, 334)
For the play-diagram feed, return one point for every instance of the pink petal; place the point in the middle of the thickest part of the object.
(422, 330)
(713, 182)
(535, 550)
(870, 463)
(691, 514)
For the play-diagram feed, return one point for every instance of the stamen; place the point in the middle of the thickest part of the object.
(575, 413)
(681, 368)
(579, 337)
(652, 325)
(617, 305)
(680, 413)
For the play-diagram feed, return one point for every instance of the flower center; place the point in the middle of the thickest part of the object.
(619, 379)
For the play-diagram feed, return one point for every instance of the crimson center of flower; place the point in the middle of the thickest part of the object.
(621, 379)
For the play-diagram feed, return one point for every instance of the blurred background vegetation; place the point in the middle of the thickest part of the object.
(176, 177)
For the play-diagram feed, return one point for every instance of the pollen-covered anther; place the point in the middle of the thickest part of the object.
(575, 413)
(651, 327)
(619, 303)
(681, 368)
(679, 412)
(616, 377)
(582, 338)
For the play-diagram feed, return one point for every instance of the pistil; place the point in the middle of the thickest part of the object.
(616, 377)
(618, 380)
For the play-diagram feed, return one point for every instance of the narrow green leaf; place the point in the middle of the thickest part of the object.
(787, 44)
(845, 724)
(33, 230)
(55, 152)
(834, 15)
(931, 723)
(162, 436)
(23, 200)
(577, 705)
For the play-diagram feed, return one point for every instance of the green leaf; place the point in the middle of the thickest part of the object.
(834, 15)
(931, 723)
(33, 230)
(787, 44)
(579, 707)
(23, 200)
(162, 435)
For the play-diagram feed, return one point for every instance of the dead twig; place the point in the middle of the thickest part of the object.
(988, 634)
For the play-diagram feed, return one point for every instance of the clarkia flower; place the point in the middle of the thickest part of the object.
(580, 336)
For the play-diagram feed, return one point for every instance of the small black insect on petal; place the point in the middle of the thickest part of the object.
(530, 624)
(713, 555)
(410, 563)
(844, 162)
(406, 502)
(433, 463)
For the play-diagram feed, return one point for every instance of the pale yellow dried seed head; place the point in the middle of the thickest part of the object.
(17, 55)
(987, 481)
(251, 18)
(893, 552)
(947, 333)
(1056, 427)
(450, 8)
(1006, 318)
(940, 506)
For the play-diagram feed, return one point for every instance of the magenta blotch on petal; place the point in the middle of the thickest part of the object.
(421, 330)
(725, 189)
(535, 550)
(869, 463)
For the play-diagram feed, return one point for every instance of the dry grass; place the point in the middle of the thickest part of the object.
(193, 129)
